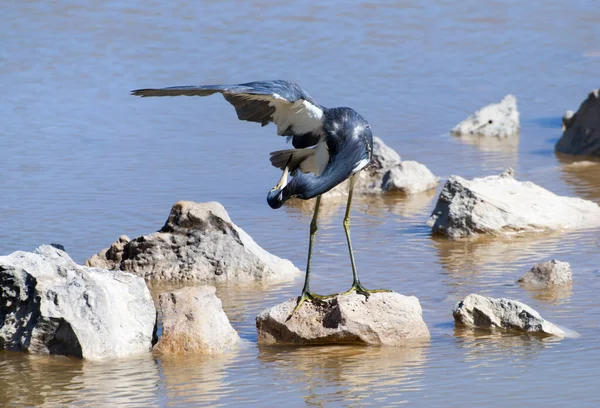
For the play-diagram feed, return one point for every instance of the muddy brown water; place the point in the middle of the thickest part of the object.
(82, 162)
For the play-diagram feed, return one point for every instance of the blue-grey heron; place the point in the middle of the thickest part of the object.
(330, 146)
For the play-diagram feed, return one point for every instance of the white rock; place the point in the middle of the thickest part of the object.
(548, 273)
(199, 242)
(51, 305)
(409, 177)
(503, 205)
(496, 120)
(581, 131)
(386, 318)
(194, 322)
(486, 312)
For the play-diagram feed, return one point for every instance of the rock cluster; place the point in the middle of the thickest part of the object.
(503, 205)
(581, 130)
(51, 305)
(199, 242)
(385, 318)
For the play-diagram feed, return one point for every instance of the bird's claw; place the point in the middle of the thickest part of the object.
(311, 297)
(358, 288)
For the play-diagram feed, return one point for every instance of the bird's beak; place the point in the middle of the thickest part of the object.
(282, 181)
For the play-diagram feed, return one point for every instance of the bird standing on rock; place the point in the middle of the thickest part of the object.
(330, 146)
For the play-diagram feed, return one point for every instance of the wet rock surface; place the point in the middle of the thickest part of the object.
(385, 318)
(51, 305)
(500, 120)
(503, 205)
(194, 322)
(486, 312)
(199, 242)
(581, 130)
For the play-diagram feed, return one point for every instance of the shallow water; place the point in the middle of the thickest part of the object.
(82, 162)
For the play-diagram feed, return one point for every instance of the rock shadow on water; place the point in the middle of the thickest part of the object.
(40, 380)
(351, 374)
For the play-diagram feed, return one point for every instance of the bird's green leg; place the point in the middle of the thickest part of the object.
(306, 294)
(356, 285)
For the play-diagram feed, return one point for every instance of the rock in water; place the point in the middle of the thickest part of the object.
(548, 273)
(385, 318)
(486, 312)
(503, 205)
(194, 322)
(387, 172)
(499, 120)
(51, 305)
(581, 131)
(199, 242)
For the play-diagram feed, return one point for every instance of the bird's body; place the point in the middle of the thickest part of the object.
(330, 145)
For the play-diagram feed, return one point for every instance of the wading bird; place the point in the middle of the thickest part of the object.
(330, 146)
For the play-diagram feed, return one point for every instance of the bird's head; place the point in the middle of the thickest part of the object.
(275, 198)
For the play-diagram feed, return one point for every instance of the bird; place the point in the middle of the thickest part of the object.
(330, 145)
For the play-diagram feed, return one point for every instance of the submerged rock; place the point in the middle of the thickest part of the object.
(387, 172)
(548, 273)
(194, 322)
(199, 242)
(51, 305)
(486, 312)
(503, 205)
(385, 318)
(581, 130)
(499, 120)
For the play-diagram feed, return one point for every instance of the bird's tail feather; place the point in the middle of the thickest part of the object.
(291, 158)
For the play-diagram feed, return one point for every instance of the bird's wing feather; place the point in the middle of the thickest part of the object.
(290, 107)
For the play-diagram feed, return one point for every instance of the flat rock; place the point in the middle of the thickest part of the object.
(502, 205)
(486, 312)
(199, 242)
(581, 130)
(548, 273)
(500, 120)
(385, 318)
(387, 172)
(194, 322)
(51, 305)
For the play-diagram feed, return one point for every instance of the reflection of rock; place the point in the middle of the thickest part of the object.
(198, 242)
(502, 205)
(57, 381)
(359, 371)
(581, 131)
(383, 319)
(51, 305)
(500, 120)
(508, 144)
(486, 312)
(194, 321)
(584, 176)
(548, 273)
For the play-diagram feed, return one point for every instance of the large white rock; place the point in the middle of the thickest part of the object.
(581, 130)
(387, 172)
(385, 318)
(499, 120)
(199, 242)
(503, 205)
(51, 305)
(194, 322)
(486, 312)
(548, 273)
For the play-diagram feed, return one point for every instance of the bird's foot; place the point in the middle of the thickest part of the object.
(311, 297)
(358, 288)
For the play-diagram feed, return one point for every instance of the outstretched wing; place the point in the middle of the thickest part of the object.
(286, 104)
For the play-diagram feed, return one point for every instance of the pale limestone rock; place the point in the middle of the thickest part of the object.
(385, 318)
(548, 273)
(194, 322)
(503, 205)
(51, 305)
(199, 242)
(486, 312)
(409, 177)
(499, 120)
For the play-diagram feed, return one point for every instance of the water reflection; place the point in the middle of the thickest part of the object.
(508, 145)
(583, 175)
(554, 294)
(333, 374)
